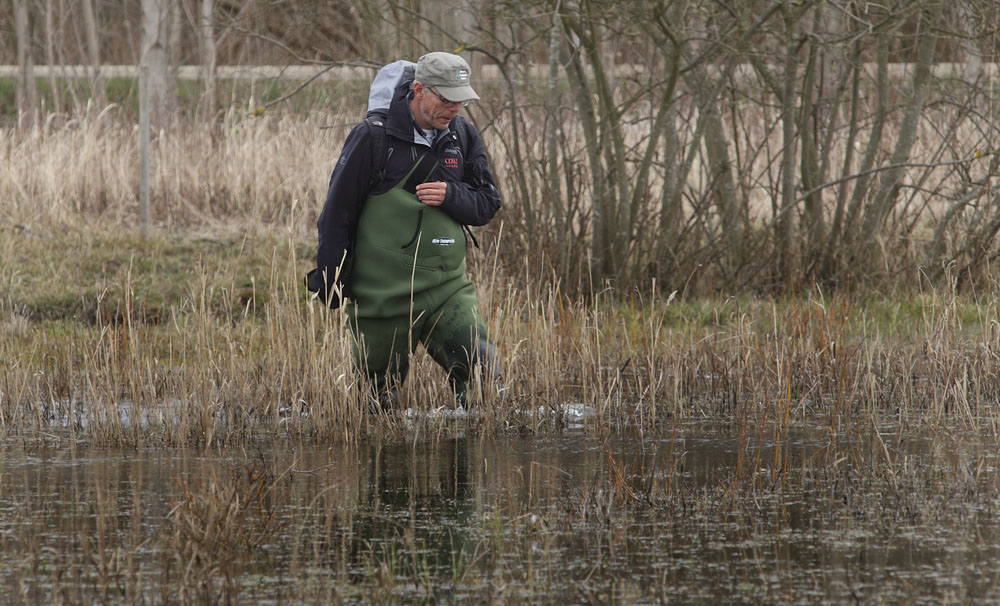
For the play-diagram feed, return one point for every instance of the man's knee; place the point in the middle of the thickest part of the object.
(478, 353)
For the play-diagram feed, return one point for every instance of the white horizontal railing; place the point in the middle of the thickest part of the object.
(988, 71)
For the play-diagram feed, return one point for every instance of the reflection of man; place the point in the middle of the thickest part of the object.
(401, 237)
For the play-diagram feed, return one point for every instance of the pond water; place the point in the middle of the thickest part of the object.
(702, 516)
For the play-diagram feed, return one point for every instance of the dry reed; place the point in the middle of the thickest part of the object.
(203, 335)
(225, 363)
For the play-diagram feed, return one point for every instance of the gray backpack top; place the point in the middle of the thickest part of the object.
(385, 83)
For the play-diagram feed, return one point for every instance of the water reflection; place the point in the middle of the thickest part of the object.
(702, 516)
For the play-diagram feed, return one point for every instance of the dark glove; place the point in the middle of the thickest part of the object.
(332, 296)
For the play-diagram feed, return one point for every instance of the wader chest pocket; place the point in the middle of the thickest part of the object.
(437, 243)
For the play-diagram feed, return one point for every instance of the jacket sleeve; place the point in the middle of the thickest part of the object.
(476, 199)
(338, 221)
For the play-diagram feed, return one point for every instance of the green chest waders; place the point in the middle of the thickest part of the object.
(410, 287)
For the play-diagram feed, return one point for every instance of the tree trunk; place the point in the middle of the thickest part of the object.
(50, 55)
(552, 128)
(174, 32)
(612, 199)
(155, 37)
(26, 93)
(814, 157)
(789, 137)
(588, 121)
(720, 163)
(619, 209)
(663, 119)
(837, 224)
(208, 59)
(93, 55)
(886, 196)
(855, 208)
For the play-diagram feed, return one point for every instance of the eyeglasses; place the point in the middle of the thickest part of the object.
(446, 102)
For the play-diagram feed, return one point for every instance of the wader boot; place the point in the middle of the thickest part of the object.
(410, 287)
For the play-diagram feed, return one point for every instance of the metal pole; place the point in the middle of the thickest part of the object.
(144, 150)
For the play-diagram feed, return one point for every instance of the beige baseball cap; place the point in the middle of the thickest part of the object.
(449, 74)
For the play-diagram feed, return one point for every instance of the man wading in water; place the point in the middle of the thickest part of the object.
(392, 234)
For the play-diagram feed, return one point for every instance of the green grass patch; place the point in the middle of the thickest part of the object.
(101, 277)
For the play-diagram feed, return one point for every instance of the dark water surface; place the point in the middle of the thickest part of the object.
(705, 516)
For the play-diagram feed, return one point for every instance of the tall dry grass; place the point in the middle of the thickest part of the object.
(245, 171)
(233, 354)
(223, 368)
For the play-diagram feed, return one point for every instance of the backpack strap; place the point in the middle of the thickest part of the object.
(461, 130)
(376, 128)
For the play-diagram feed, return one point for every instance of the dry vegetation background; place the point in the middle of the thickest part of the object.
(710, 146)
(768, 222)
(662, 163)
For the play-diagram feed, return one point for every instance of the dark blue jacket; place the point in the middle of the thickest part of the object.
(472, 197)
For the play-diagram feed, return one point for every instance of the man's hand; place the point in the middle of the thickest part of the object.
(432, 194)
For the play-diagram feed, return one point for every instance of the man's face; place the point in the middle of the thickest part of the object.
(432, 110)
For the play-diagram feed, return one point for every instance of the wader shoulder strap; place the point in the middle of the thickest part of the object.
(421, 172)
